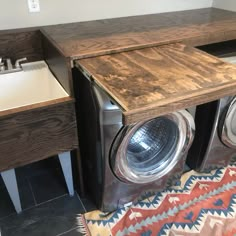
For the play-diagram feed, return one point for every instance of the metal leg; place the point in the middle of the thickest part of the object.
(65, 160)
(9, 178)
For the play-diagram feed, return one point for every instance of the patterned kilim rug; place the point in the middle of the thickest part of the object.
(201, 204)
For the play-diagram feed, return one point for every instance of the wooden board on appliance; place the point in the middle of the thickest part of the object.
(154, 81)
(93, 38)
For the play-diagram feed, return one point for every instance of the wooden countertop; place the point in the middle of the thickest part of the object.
(150, 82)
(194, 27)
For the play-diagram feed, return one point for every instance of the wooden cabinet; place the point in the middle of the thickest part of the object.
(37, 133)
(37, 119)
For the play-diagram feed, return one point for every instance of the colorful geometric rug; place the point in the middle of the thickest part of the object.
(201, 204)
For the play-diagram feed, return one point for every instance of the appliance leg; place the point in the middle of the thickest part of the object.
(65, 161)
(9, 179)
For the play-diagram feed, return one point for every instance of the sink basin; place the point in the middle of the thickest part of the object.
(34, 84)
(10, 71)
(231, 59)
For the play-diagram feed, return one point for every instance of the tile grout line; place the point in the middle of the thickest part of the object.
(77, 227)
(29, 208)
(4, 217)
(81, 202)
(39, 204)
(31, 188)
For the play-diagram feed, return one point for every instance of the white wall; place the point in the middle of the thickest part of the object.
(225, 4)
(14, 13)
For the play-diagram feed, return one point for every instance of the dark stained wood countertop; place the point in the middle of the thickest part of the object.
(93, 38)
(150, 82)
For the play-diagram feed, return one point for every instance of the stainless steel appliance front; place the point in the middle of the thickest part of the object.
(123, 163)
(214, 145)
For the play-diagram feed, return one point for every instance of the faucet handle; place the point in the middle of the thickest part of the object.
(18, 61)
(2, 66)
(9, 64)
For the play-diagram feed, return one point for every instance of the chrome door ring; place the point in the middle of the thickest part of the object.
(186, 127)
(227, 135)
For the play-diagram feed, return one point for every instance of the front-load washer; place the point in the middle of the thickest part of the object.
(120, 163)
(214, 144)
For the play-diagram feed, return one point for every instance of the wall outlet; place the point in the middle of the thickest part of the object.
(33, 6)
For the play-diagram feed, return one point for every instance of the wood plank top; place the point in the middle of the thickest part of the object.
(93, 38)
(154, 81)
(21, 43)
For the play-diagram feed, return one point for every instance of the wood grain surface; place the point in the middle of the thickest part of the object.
(33, 135)
(154, 81)
(17, 44)
(194, 27)
(40, 105)
(59, 65)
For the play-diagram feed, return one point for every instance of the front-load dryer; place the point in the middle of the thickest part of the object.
(214, 144)
(121, 163)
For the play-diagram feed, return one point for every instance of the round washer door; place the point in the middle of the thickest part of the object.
(228, 125)
(150, 149)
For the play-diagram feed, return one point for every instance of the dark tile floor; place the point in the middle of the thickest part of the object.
(47, 208)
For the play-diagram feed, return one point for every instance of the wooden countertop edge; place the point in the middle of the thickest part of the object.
(19, 30)
(171, 105)
(215, 37)
(197, 40)
(119, 50)
(40, 105)
(45, 34)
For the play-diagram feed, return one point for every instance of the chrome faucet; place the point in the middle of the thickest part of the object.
(7, 67)
(9, 64)
(18, 61)
(2, 66)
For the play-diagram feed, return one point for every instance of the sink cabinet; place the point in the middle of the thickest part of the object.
(37, 112)
(36, 134)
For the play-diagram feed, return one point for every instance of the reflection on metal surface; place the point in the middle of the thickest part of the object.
(103, 132)
(228, 134)
(150, 149)
(152, 144)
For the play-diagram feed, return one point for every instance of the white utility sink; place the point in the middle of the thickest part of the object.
(34, 84)
(231, 59)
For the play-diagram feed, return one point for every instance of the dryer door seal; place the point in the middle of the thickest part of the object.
(228, 130)
(150, 149)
